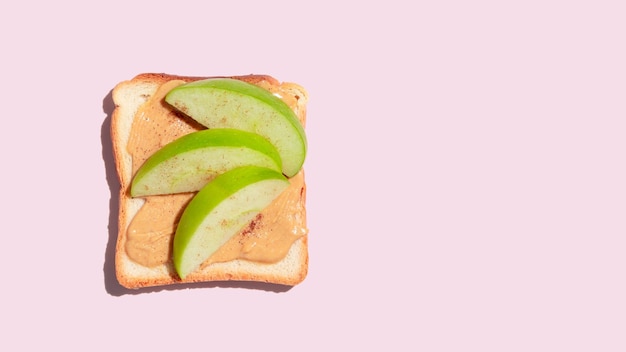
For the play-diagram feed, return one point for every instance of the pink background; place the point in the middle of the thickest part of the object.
(466, 175)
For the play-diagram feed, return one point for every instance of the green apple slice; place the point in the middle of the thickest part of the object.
(189, 162)
(220, 210)
(231, 103)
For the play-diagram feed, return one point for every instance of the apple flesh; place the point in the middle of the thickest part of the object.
(191, 161)
(221, 210)
(231, 103)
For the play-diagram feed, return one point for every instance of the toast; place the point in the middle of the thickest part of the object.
(147, 262)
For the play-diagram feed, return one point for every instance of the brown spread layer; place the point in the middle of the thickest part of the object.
(150, 234)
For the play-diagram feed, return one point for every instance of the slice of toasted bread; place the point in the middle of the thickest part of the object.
(129, 96)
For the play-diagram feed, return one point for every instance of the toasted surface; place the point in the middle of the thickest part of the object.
(128, 97)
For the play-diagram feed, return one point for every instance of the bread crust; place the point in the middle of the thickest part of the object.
(128, 96)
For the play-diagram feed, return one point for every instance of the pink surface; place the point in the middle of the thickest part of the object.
(465, 175)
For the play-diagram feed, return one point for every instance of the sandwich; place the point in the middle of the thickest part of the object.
(211, 180)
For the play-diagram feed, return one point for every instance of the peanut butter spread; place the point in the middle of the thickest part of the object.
(266, 239)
